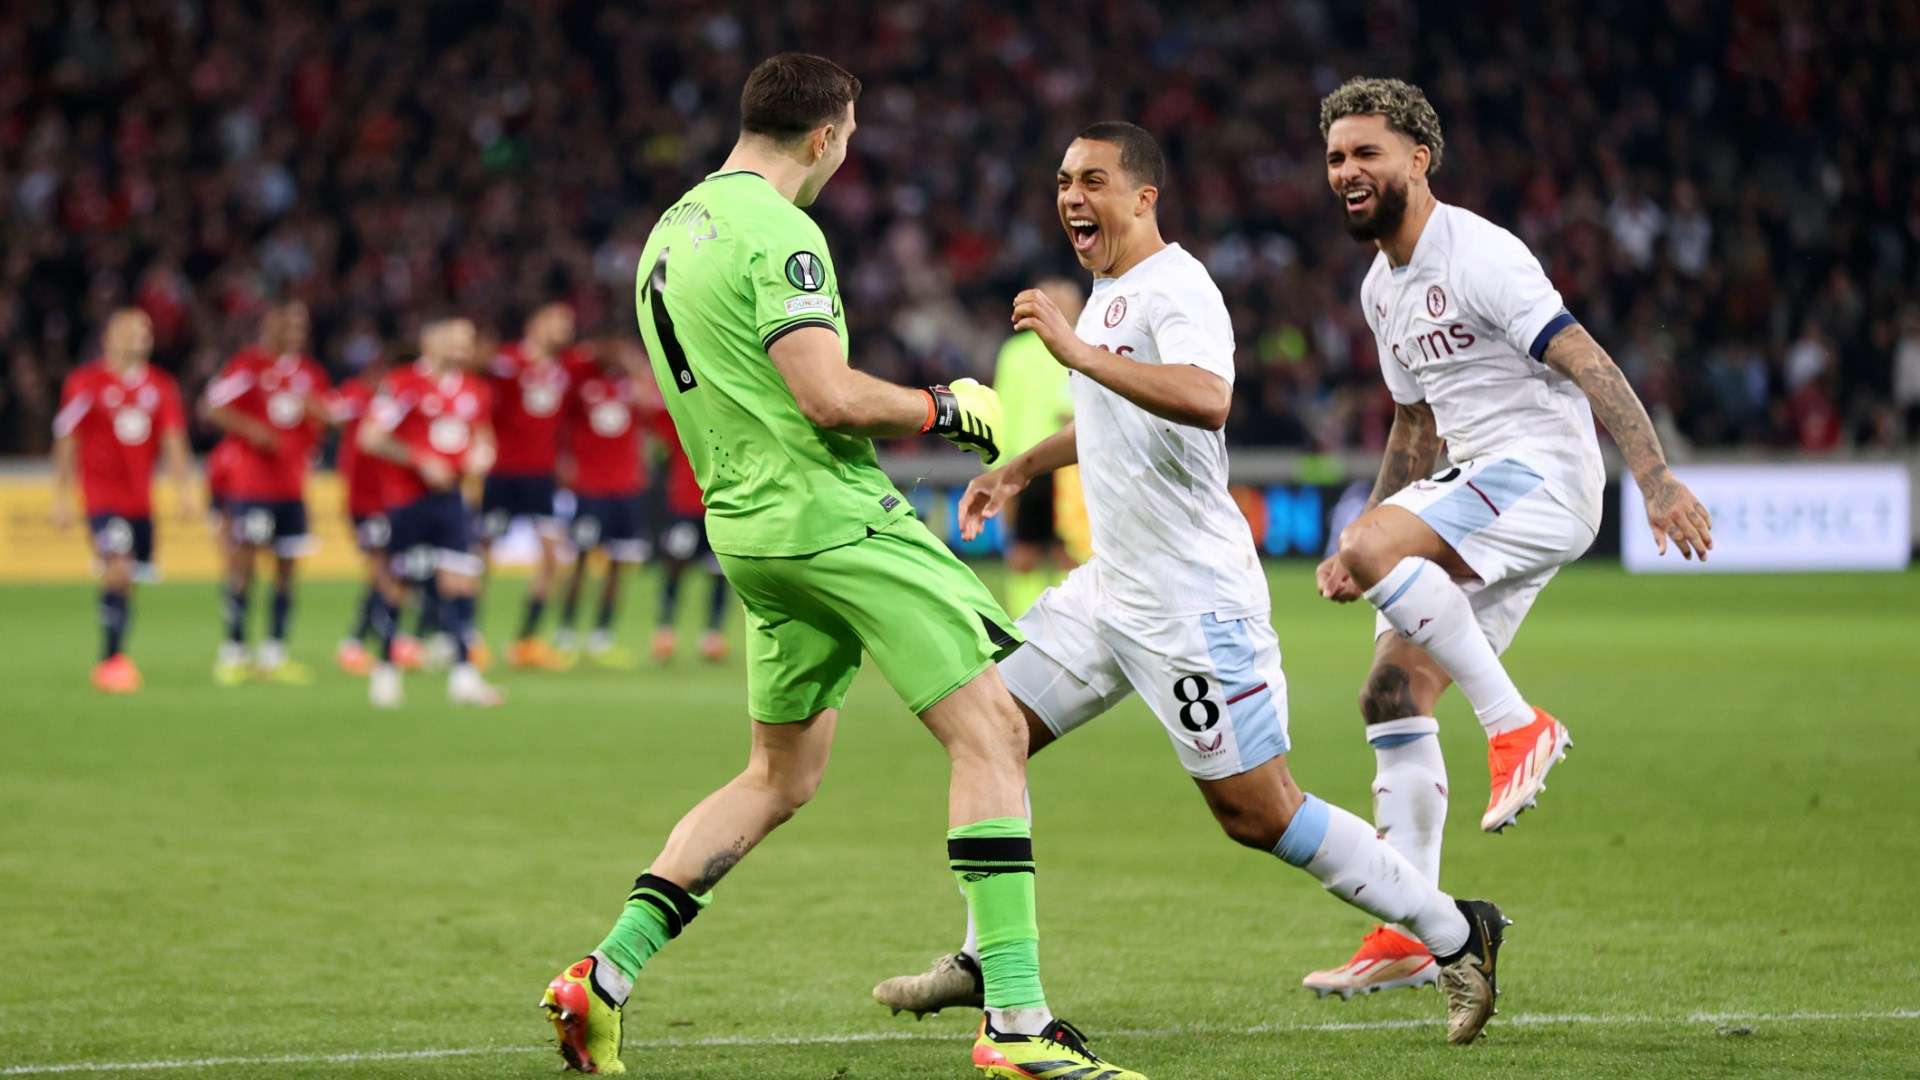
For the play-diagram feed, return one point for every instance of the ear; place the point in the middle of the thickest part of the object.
(1149, 199)
(818, 141)
(1422, 160)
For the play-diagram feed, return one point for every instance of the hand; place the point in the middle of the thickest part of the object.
(1674, 514)
(986, 495)
(1034, 310)
(479, 459)
(1336, 584)
(62, 515)
(261, 436)
(968, 415)
(435, 473)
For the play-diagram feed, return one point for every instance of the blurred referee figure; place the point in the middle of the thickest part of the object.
(1033, 389)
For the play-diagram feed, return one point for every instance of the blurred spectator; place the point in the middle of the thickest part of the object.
(1728, 194)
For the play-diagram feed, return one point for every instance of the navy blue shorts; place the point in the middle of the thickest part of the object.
(371, 531)
(615, 524)
(504, 498)
(683, 538)
(116, 535)
(433, 532)
(277, 523)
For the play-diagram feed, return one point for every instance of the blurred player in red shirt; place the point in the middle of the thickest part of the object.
(608, 404)
(530, 380)
(117, 414)
(682, 543)
(364, 477)
(220, 465)
(271, 399)
(431, 420)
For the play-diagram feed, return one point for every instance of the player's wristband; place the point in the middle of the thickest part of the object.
(943, 411)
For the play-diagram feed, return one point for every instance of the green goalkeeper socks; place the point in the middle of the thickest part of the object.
(657, 910)
(994, 861)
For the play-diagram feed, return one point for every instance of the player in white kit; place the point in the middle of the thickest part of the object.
(1480, 354)
(1173, 605)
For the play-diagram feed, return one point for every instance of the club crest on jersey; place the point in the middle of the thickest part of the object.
(805, 271)
(132, 426)
(1436, 301)
(608, 419)
(1116, 311)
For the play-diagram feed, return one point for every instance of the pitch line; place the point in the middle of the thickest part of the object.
(1516, 1020)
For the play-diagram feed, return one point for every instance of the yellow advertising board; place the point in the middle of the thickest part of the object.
(32, 549)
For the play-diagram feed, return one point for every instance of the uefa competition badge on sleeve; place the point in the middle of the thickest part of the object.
(804, 271)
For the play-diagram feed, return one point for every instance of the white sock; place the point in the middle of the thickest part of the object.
(1343, 853)
(607, 975)
(1429, 610)
(1410, 790)
(1020, 1021)
(971, 946)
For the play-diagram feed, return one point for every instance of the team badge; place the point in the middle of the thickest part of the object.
(806, 271)
(1436, 301)
(1116, 311)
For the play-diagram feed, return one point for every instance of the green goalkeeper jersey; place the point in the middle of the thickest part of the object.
(730, 268)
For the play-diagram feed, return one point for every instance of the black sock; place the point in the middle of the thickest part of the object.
(456, 614)
(363, 622)
(604, 617)
(426, 621)
(385, 622)
(669, 596)
(233, 608)
(717, 603)
(113, 622)
(530, 623)
(282, 607)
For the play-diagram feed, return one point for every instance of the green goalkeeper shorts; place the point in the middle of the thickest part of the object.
(898, 594)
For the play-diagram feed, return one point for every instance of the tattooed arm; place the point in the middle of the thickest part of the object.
(1412, 443)
(1672, 511)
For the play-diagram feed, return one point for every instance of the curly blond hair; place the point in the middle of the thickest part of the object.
(1403, 104)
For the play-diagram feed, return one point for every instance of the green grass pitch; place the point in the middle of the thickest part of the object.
(274, 882)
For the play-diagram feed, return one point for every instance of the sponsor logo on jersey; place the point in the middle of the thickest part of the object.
(609, 418)
(806, 271)
(286, 409)
(447, 434)
(817, 305)
(540, 399)
(1116, 311)
(132, 426)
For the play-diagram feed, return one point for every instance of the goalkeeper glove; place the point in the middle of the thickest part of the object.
(968, 415)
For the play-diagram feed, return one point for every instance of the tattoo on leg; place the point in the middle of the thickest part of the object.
(1389, 695)
(717, 867)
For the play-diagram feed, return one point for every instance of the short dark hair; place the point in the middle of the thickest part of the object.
(791, 93)
(1140, 155)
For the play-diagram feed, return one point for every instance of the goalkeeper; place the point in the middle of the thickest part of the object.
(739, 305)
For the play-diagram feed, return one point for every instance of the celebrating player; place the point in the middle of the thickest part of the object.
(530, 379)
(117, 414)
(600, 435)
(681, 543)
(1173, 605)
(1034, 386)
(430, 419)
(739, 305)
(272, 401)
(1481, 354)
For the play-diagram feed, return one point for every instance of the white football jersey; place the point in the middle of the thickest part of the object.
(1168, 539)
(1463, 327)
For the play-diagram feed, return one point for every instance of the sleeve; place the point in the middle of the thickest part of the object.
(1191, 326)
(172, 415)
(791, 280)
(234, 379)
(75, 400)
(1503, 284)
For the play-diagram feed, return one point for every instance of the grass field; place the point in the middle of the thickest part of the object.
(276, 882)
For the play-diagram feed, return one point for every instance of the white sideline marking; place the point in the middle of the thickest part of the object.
(1516, 1020)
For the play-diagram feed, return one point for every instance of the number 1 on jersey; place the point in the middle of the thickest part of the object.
(654, 295)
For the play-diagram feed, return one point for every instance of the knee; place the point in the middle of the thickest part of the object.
(1258, 826)
(1367, 551)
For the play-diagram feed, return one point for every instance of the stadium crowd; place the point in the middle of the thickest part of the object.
(1727, 194)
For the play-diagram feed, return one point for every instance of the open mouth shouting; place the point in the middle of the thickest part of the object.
(1359, 199)
(1084, 231)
